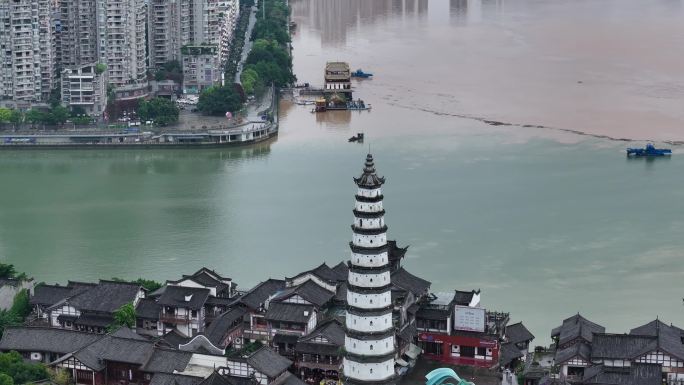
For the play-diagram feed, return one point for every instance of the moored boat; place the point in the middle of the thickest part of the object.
(360, 74)
(649, 150)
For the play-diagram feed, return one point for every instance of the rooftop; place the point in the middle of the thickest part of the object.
(183, 297)
(409, 282)
(517, 333)
(310, 291)
(268, 362)
(576, 327)
(289, 312)
(256, 297)
(45, 339)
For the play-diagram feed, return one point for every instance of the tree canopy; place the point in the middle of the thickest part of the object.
(162, 111)
(19, 371)
(218, 100)
(124, 316)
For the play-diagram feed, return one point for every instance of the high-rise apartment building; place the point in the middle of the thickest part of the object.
(197, 33)
(27, 49)
(106, 32)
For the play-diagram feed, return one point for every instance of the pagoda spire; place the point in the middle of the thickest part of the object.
(369, 330)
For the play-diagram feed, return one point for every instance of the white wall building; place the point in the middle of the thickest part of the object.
(86, 87)
(369, 339)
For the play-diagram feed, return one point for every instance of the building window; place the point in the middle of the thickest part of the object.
(193, 313)
(371, 347)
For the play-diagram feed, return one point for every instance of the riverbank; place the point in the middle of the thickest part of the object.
(260, 124)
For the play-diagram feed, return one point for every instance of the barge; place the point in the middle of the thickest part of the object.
(244, 134)
(649, 150)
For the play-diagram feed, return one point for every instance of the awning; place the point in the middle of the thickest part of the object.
(67, 317)
(401, 362)
(413, 351)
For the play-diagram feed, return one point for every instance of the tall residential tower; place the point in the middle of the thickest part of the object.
(369, 334)
(27, 49)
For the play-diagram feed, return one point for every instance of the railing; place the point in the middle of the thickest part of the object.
(174, 319)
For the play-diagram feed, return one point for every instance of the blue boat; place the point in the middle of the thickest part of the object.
(360, 74)
(650, 150)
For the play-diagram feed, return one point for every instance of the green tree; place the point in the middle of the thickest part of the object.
(7, 271)
(162, 111)
(100, 68)
(5, 379)
(58, 115)
(17, 117)
(35, 116)
(13, 365)
(249, 79)
(60, 376)
(5, 115)
(124, 316)
(218, 100)
(21, 307)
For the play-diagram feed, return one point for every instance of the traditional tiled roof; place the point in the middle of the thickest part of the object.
(110, 348)
(48, 295)
(395, 252)
(407, 281)
(331, 330)
(576, 327)
(208, 278)
(287, 378)
(45, 340)
(323, 272)
(463, 298)
(174, 379)
(341, 270)
(636, 374)
(310, 291)
(125, 332)
(224, 322)
(579, 350)
(669, 338)
(621, 346)
(289, 312)
(369, 179)
(167, 361)
(101, 321)
(148, 308)
(255, 297)
(217, 379)
(508, 353)
(517, 333)
(268, 362)
(184, 297)
(105, 297)
(174, 339)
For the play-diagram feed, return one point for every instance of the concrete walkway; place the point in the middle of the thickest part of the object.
(248, 42)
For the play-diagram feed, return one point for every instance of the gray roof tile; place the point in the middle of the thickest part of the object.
(176, 296)
(45, 339)
(269, 362)
(289, 312)
(410, 282)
